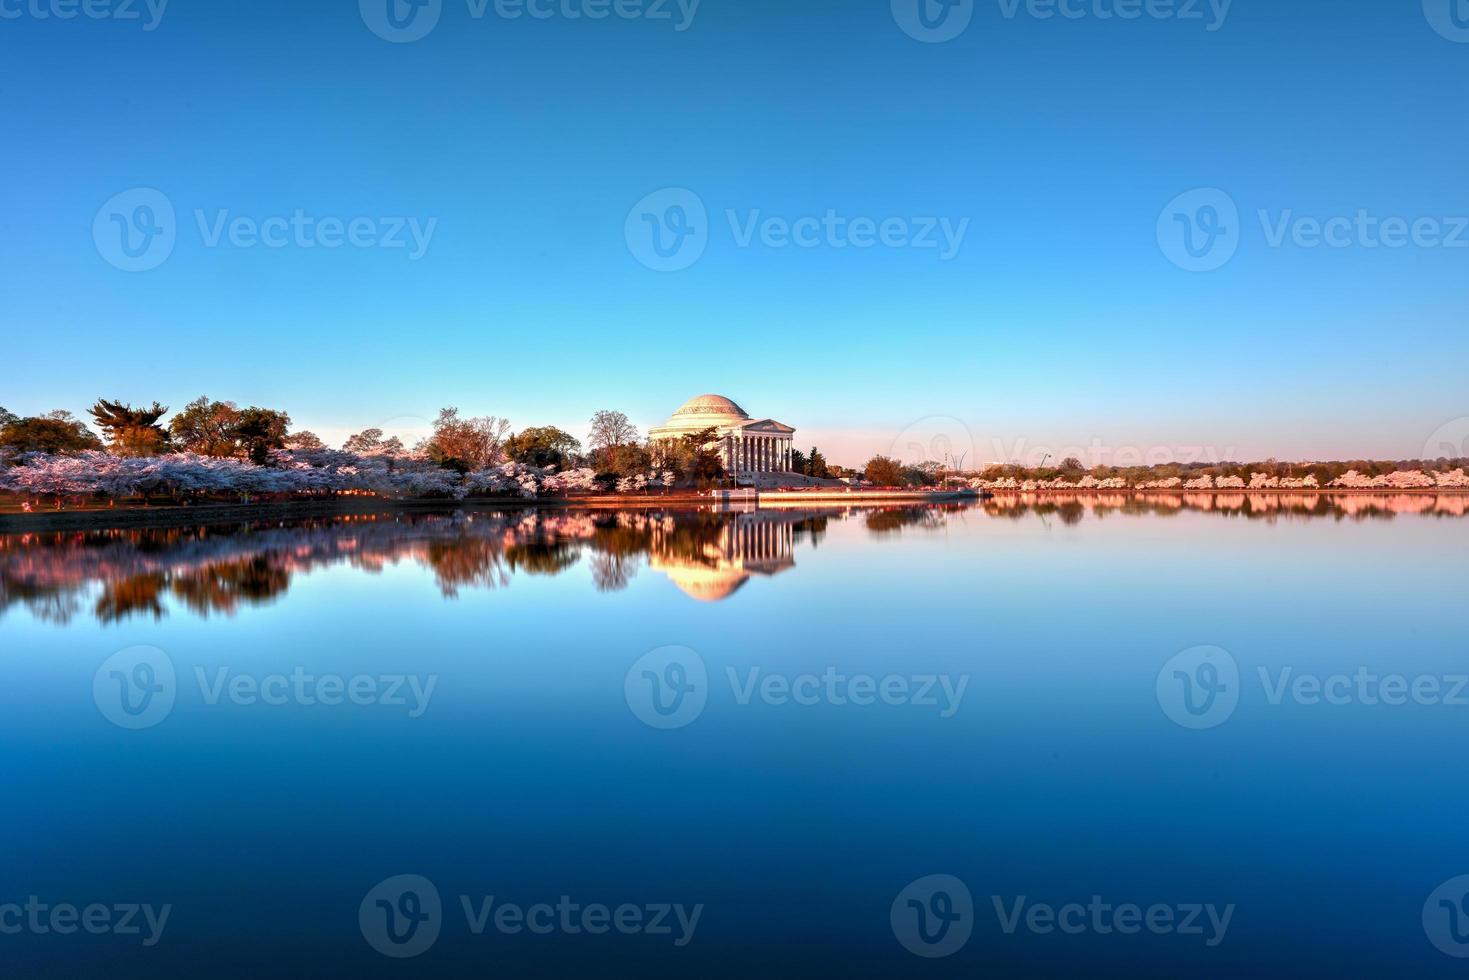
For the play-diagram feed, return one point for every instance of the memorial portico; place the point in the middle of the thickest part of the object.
(747, 446)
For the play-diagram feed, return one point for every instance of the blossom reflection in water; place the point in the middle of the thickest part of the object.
(709, 555)
(218, 569)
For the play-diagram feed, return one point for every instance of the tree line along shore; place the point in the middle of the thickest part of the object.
(216, 451)
(1351, 477)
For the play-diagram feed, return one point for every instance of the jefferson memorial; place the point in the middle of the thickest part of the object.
(747, 446)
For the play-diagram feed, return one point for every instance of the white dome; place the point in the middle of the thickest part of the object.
(711, 407)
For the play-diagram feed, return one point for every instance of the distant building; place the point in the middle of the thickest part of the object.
(747, 446)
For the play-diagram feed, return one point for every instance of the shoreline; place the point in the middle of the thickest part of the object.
(1269, 491)
(128, 518)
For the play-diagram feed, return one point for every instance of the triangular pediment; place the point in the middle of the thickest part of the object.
(768, 425)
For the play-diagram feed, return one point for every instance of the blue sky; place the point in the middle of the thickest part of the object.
(527, 142)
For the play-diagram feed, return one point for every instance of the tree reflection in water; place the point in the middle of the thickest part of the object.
(707, 554)
(890, 521)
(219, 569)
(1073, 508)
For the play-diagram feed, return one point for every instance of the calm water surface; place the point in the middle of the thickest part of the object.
(1238, 713)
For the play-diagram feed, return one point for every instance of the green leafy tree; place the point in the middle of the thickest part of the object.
(7, 417)
(816, 465)
(693, 458)
(922, 475)
(884, 472)
(625, 460)
(131, 431)
(305, 440)
(543, 446)
(799, 463)
(260, 430)
(208, 428)
(59, 434)
(370, 442)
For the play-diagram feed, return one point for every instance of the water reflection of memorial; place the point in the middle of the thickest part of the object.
(741, 545)
(710, 555)
(209, 570)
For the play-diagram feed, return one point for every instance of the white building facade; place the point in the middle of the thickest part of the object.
(749, 447)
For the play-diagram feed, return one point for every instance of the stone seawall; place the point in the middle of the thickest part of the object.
(867, 496)
(103, 518)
